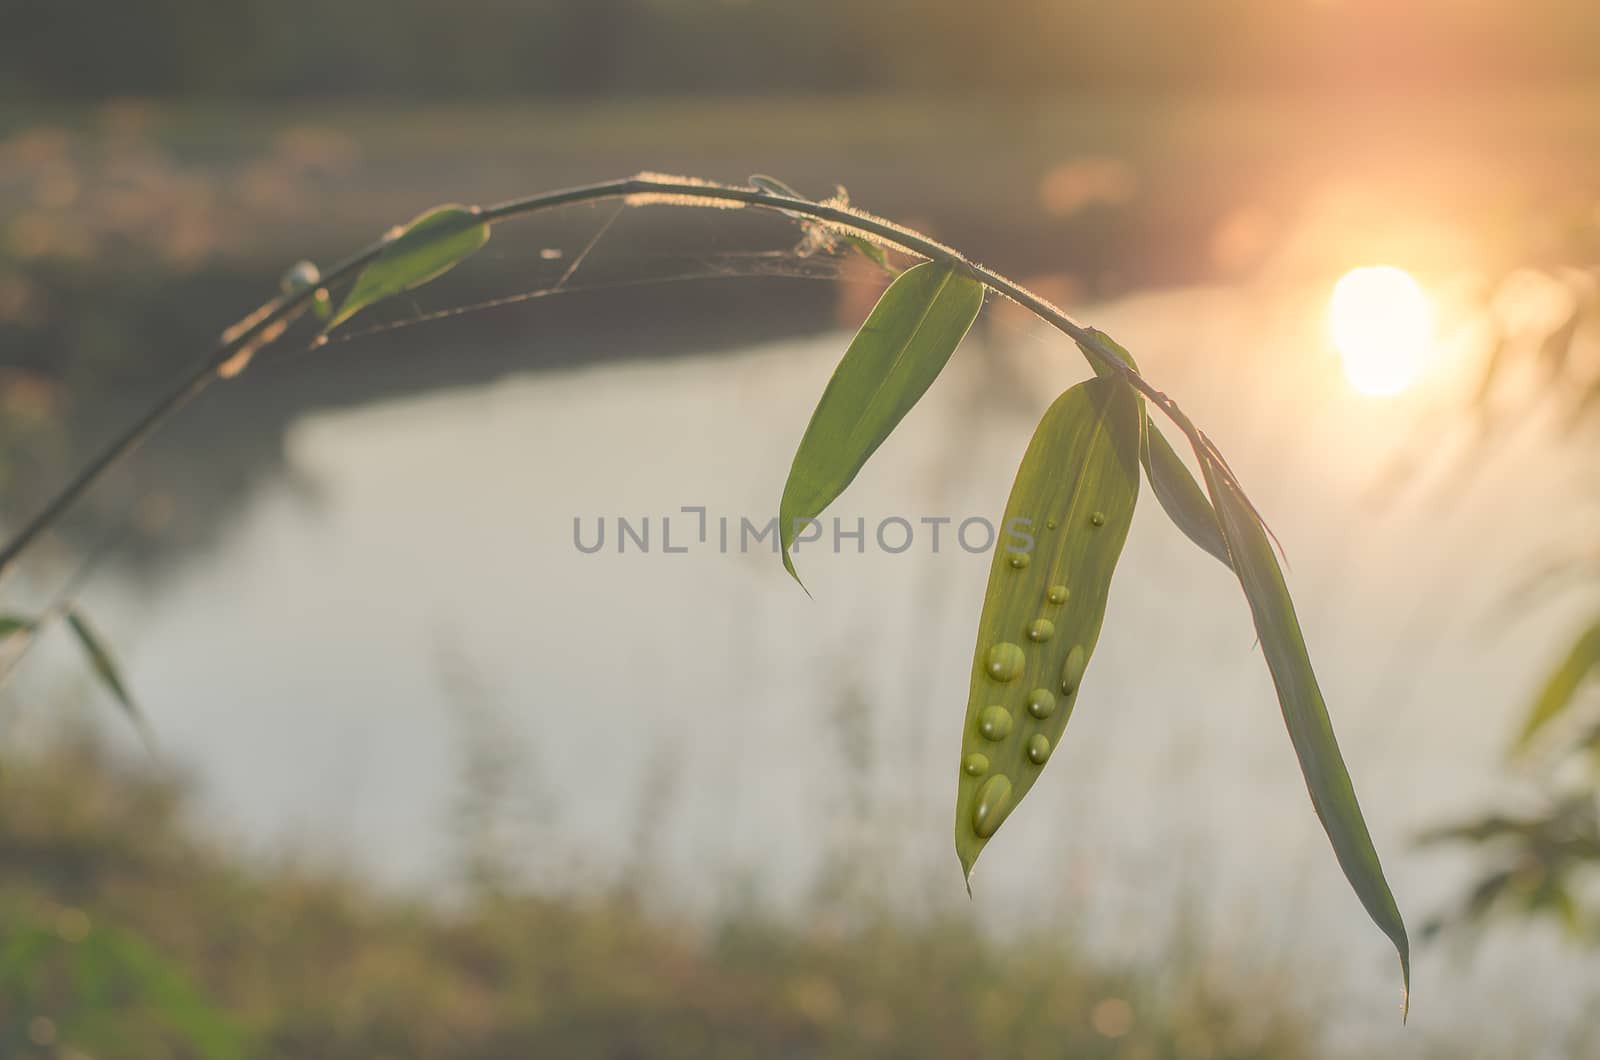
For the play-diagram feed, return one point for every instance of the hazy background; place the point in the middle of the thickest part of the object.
(418, 729)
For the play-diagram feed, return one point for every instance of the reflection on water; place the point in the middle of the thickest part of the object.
(697, 709)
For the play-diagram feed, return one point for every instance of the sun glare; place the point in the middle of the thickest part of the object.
(1382, 326)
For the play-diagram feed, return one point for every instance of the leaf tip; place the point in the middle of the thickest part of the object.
(1405, 984)
(788, 565)
(967, 854)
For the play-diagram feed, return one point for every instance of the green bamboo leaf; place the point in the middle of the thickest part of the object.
(1180, 495)
(1071, 505)
(904, 344)
(1562, 684)
(106, 669)
(432, 244)
(1304, 711)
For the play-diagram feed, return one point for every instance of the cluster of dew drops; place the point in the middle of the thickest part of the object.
(1005, 663)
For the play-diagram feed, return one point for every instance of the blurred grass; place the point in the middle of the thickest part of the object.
(123, 932)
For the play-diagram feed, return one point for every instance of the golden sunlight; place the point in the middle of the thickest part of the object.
(1382, 326)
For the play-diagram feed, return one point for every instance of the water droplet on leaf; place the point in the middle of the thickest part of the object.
(1041, 703)
(301, 274)
(1072, 669)
(995, 723)
(1041, 630)
(1058, 594)
(1038, 748)
(975, 765)
(994, 799)
(1005, 661)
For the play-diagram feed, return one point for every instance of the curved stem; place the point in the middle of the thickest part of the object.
(644, 189)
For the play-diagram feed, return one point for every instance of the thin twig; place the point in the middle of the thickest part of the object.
(648, 190)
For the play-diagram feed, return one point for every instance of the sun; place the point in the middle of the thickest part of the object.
(1382, 326)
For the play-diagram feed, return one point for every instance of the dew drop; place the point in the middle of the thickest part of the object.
(975, 765)
(1038, 748)
(1005, 661)
(1041, 630)
(1018, 560)
(995, 723)
(1058, 594)
(1050, 524)
(1098, 519)
(1041, 703)
(301, 274)
(1072, 669)
(994, 799)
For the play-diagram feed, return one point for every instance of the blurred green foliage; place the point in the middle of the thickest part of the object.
(124, 933)
(1538, 857)
(1540, 860)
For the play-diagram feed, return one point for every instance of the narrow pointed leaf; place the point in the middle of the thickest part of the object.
(1180, 495)
(105, 668)
(1304, 712)
(431, 245)
(1562, 684)
(904, 344)
(1074, 495)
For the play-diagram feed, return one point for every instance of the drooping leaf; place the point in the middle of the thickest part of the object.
(904, 344)
(1180, 495)
(1562, 684)
(1073, 497)
(106, 669)
(432, 244)
(1304, 712)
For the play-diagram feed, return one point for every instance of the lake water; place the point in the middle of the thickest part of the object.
(410, 577)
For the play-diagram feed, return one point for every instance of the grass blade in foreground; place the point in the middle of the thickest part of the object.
(1304, 711)
(105, 668)
(904, 344)
(431, 245)
(1562, 684)
(1074, 494)
(10, 624)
